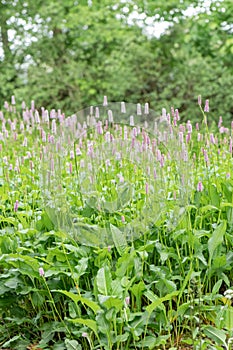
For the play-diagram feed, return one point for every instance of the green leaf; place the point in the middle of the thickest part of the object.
(118, 239)
(150, 308)
(81, 268)
(90, 234)
(219, 262)
(207, 208)
(26, 264)
(78, 298)
(117, 289)
(47, 222)
(8, 220)
(104, 280)
(181, 310)
(214, 196)
(86, 322)
(216, 287)
(111, 302)
(228, 319)
(215, 334)
(12, 282)
(10, 341)
(138, 288)
(72, 345)
(150, 295)
(59, 346)
(216, 239)
(229, 211)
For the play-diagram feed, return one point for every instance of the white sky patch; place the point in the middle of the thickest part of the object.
(154, 28)
(150, 25)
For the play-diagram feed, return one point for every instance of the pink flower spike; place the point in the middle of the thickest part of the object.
(199, 100)
(177, 114)
(32, 105)
(188, 137)
(200, 186)
(6, 105)
(139, 109)
(220, 122)
(13, 100)
(122, 219)
(206, 109)
(127, 300)
(164, 113)
(16, 205)
(105, 103)
(146, 110)
(123, 109)
(41, 271)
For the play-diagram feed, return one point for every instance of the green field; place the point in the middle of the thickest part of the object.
(115, 235)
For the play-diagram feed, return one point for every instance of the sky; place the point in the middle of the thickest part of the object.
(156, 28)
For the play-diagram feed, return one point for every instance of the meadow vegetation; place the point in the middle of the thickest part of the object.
(77, 271)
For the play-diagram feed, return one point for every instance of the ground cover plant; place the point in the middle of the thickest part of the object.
(64, 284)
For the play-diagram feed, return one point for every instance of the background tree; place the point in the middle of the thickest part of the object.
(68, 54)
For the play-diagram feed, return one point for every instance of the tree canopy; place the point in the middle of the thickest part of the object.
(69, 54)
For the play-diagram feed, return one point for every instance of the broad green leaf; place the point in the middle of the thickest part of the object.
(216, 287)
(8, 220)
(219, 262)
(81, 268)
(122, 337)
(224, 205)
(26, 264)
(59, 346)
(214, 196)
(111, 302)
(38, 298)
(150, 308)
(72, 345)
(150, 295)
(12, 283)
(181, 310)
(125, 264)
(208, 207)
(104, 280)
(118, 239)
(216, 239)
(215, 334)
(46, 221)
(78, 298)
(104, 325)
(228, 318)
(86, 322)
(138, 288)
(117, 289)
(11, 341)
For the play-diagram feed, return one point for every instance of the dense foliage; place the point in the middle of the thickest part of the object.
(169, 288)
(66, 54)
